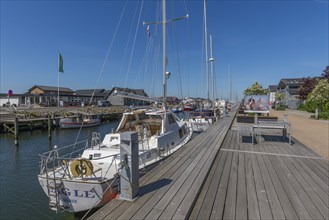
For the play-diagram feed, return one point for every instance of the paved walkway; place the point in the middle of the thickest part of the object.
(310, 132)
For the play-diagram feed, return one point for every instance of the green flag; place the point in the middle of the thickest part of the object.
(60, 63)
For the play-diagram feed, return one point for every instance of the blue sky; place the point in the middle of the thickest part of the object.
(262, 41)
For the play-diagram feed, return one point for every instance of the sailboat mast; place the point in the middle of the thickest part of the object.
(164, 81)
(211, 60)
(229, 82)
(206, 44)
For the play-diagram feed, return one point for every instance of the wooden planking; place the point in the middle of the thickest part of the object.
(253, 208)
(308, 176)
(321, 172)
(321, 206)
(206, 208)
(170, 201)
(285, 202)
(264, 208)
(202, 210)
(153, 177)
(273, 199)
(241, 200)
(302, 148)
(274, 182)
(296, 183)
(177, 165)
(132, 210)
(165, 216)
(198, 208)
(218, 204)
(290, 191)
(174, 159)
(171, 192)
(190, 197)
(229, 211)
(311, 163)
(322, 165)
(314, 175)
(238, 185)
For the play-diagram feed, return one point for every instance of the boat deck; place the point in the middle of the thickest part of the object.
(215, 177)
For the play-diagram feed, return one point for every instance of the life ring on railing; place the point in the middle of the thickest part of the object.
(81, 167)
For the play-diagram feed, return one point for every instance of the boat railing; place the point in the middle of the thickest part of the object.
(55, 158)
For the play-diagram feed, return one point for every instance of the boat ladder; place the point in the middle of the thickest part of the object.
(54, 186)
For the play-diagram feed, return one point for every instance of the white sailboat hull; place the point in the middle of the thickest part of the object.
(78, 196)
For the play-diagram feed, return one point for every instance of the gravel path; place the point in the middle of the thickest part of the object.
(312, 133)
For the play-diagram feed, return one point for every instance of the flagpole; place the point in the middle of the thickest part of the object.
(60, 70)
(58, 89)
(58, 79)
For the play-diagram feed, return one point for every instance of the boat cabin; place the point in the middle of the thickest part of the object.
(143, 121)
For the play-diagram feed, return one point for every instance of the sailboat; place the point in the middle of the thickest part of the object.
(83, 176)
(207, 114)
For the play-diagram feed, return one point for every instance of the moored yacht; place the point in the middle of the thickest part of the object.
(78, 183)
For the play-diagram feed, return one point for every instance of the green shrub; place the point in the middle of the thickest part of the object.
(281, 108)
(324, 115)
(319, 97)
(302, 107)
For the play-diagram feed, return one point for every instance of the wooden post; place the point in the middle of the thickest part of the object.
(16, 130)
(49, 126)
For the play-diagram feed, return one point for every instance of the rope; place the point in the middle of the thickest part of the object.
(102, 68)
(129, 35)
(134, 43)
(109, 49)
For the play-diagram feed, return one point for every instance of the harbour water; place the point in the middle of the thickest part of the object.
(21, 196)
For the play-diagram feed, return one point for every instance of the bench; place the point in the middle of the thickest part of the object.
(245, 129)
(271, 124)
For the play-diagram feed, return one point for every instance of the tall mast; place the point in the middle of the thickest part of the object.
(211, 60)
(206, 44)
(164, 79)
(229, 82)
(163, 23)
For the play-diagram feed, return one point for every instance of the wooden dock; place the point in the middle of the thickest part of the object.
(216, 177)
(271, 180)
(171, 188)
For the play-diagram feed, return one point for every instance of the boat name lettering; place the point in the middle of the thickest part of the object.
(77, 193)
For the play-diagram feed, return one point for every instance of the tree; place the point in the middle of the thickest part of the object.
(307, 87)
(255, 89)
(279, 97)
(325, 73)
(319, 97)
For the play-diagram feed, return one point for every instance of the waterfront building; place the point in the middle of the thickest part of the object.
(290, 87)
(48, 95)
(120, 100)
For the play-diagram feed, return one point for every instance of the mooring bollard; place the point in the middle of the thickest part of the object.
(129, 180)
